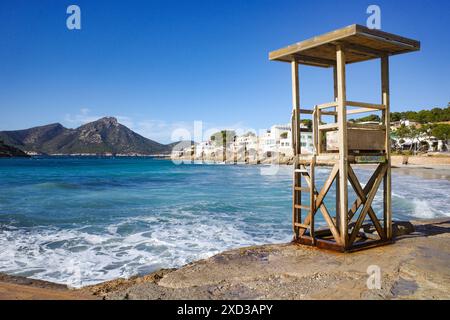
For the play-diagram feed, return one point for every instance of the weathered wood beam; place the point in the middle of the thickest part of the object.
(358, 48)
(387, 184)
(366, 190)
(367, 205)
(319, 204)
(327, 105)
(296, 195)
(312, 196)
(329, 126)
(365, 105)
(343, 148)
(360, 110)
(336, 119)
(314, 60)
(366, 126)
(362, 196)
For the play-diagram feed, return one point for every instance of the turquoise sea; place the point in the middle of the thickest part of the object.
(80, 221)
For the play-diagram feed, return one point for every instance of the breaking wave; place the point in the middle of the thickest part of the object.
(123, 217)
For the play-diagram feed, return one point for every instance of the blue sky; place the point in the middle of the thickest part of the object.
(161, 65)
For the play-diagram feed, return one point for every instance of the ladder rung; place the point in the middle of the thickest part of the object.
(300, 171)
(301, 225)
(298, 206)
(302, 189)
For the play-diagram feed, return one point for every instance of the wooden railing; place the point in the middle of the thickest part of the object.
(322, 110)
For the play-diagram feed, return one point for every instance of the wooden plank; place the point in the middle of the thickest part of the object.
(336, 119)
(301, 225)
(296, 195)
(357, 139)
(366, 190)
(359, 110)
(287, 53)
(327, 185)
(312, 196)
(366, 126)
(302, 189)
(389, 37)
(364, 159)
(328, 126)
(295, 199)
(323, 209)
(296, 105)
(327, 105)
(333, 126)
(293, 129)
(306, 111)
(301, 207)
(343, 152)
(320, 62)
(365, 105)
(367, 205)
(362, 196)
(387, 183)
(329, 245)
(316, 136)
(362, 49)
(322, 157)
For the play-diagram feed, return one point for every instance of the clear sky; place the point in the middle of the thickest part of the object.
(160, 65)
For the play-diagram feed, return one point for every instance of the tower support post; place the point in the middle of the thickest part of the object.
(343, 151)
(387, 210)
(296, 145)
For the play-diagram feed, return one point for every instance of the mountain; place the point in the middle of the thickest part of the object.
(37, 139)
(104, 136)
(9, 151)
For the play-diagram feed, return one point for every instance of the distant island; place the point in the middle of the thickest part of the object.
(105, 136)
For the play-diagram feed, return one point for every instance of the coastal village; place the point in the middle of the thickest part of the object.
(408, 137)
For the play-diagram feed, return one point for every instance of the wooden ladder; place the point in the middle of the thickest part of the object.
(300, 171)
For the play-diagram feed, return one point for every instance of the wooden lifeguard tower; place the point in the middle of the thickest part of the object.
(341, 143)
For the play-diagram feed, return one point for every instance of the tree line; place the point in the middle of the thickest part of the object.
(423, 116)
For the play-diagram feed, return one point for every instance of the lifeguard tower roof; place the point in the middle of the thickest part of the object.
(360, 43)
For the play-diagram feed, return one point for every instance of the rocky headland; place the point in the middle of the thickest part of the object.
(7, 151)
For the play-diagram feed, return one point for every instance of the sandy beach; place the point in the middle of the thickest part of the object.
(414, 267)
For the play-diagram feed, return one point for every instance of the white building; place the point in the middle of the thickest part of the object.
(279, 139)
(249, 141)
(270, 140)
(204, 149)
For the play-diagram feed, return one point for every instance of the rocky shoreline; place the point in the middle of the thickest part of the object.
(414, 267)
